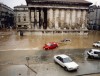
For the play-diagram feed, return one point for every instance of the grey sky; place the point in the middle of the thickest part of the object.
(12, 3)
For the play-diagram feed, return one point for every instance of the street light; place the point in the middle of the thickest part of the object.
(27, 58)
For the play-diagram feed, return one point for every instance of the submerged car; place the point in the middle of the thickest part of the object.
(96, 44)
(50, 45)
(66, 62)
(65, 40)
(93, 53)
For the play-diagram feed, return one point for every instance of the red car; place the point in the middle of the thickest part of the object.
(51, 45)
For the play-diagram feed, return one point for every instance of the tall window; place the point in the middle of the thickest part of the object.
(19, 18)
(24, 17)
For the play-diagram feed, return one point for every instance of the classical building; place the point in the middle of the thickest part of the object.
(57, 14)
(21, 16)
(6, 16)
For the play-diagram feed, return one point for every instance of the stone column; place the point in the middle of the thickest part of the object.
(56, 17)
(84, 19)
(65, 18)
(42, 15)
(29, 11)
(68, 18)
(35, 18)
(50, 18)
(73, 17)
(41, 18)
(76, 19)
(32, 18)
(62, 14)
(79, 19)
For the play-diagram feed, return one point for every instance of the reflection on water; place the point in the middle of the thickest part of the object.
(37, 41)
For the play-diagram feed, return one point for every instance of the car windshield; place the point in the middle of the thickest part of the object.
(97, 42)
(49, 44)
(67, 59)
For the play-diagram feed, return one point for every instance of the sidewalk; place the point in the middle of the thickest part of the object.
(50, 69)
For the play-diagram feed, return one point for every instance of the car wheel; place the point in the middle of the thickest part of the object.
(92, 57)
(46, 49)
(89, 56)
(96, 46)
(66, 69)
(55, 62)
(76, 69)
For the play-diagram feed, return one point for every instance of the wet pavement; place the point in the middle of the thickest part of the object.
(13, 63)
(50, 69)
(14, 51)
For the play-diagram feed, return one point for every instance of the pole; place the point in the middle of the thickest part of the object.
(28, 72)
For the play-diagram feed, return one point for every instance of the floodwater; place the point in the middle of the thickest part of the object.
(14, 50)
(36, 41)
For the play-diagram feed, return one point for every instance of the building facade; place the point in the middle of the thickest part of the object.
(59, 14)
(53, 14)
(21, 16)
(94, 17)
(6, 16)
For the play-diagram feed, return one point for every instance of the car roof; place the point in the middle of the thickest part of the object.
(62, 55)
(97, 41)
(95, 50)
(51, 42)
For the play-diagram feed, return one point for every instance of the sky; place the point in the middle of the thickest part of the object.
(12, 3)
(95, 2)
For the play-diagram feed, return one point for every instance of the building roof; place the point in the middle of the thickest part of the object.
(58, 1)
(21, 6)
(5, 8)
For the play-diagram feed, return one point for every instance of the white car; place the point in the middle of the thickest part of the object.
(93, 53)
(96, 44)
(66, 62)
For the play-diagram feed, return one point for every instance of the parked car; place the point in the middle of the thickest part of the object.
(96, 44)
(93, 53)
(50, 45)
(66, 62)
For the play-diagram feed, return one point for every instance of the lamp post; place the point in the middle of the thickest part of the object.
(27, 58)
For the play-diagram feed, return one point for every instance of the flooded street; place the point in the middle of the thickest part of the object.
(36, 41)
(14, 51)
